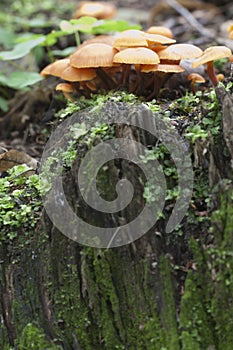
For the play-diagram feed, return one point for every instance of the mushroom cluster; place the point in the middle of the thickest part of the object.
(137, 61)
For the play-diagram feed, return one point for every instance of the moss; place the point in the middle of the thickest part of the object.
(107, 299)
(206, 307)
(195, 318)
(221, 258)
(72, 316)
(168, 312)
(33, 338)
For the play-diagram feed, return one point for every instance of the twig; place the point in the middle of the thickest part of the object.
(189, 18)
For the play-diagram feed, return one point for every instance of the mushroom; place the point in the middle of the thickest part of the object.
(99, 10)
(177, 52)
(220, 77)
(195, 78)
(67, 89)
(79, 77)
(73, 74)
(209, 55)
(230, 58)
(63, 70)
(160, 30)
(55, 68)
(158, 39)
(95, 55)
(130, 38)
(102, 39)
(136, 56)
(161, 73)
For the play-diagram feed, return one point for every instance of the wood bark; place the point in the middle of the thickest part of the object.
(164, 291)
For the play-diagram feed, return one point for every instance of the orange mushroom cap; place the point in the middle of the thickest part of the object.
(137, 55)
(65, 87)
(180, 51)
(212, 53)
(102, 39)
(230, 58)
(220, 77)
(159, 39)
(93, 55)
(196, 78)
(166, 68)
(160, 30)
(78, 74)
(67, 90)
(56, 68)
(209, 55)
(130, 38)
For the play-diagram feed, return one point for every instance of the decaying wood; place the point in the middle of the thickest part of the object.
(6, 300)
(226, 100)
(227, 110)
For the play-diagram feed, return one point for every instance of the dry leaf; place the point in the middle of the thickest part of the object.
(11, 158)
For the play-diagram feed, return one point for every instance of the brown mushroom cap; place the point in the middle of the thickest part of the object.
(103, 39)
(166, 68)
(196, 78)
(160, 30)
(99, 10)
(180, 51)
(56, 68)
(64, 87)
(137, 55)
(67, 90)
(78, 74)
(212, 53)
(158, 39)
(130, 38)
(93, 55)
(158, 47)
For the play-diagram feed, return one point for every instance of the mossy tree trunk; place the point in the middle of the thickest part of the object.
(164, 291)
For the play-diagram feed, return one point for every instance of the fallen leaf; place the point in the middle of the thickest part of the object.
(13, 157)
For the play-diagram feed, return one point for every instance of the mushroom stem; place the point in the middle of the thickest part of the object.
(156, 87)
(137, 85)
(192, 86)
(68, 96)
(105, 78)
(211, 73)
(126, 69)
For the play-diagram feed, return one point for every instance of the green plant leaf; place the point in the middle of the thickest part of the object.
(106, 26)
(3, 79)
(83, 24)
(27, 36)
(66, 52)
(52, 37)
(3, 104)
(39, 23)
(19, 80)
(7, 38)
(22, 49)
